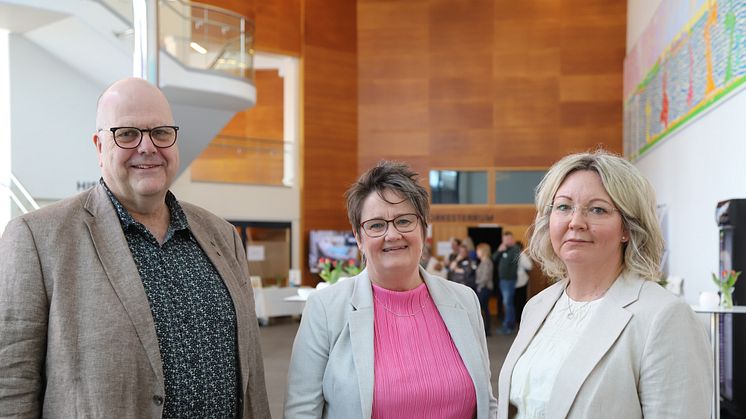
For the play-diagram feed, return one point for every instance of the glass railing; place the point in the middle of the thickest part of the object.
(254, 161)
(201, 36)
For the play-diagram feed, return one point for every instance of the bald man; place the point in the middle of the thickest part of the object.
(121, 301)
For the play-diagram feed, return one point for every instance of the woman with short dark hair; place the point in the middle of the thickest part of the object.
(394, 341)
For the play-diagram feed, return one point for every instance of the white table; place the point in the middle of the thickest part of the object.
(270, 302)
(715, 313)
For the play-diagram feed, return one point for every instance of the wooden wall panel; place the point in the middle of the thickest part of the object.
(330, 114)
(278, 26)
(488, 83)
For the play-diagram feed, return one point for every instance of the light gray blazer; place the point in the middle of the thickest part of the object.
(77, 337)
(331, 368)
(643, 354)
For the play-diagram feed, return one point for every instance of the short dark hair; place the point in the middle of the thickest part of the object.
(391, 176)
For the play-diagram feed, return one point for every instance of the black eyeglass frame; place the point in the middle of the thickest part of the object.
(391, 221)
(143, 130)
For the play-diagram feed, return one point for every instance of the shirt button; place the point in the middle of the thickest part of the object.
(158, 400)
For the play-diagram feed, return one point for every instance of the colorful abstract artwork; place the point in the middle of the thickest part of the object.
(691, 56)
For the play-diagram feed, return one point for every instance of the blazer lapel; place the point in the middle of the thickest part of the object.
(602, 331)
(459, 327)
(116, 259)
(208, 242)
(530, 325)
(361, 339)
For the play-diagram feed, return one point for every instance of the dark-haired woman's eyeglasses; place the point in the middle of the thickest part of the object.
(377, 227)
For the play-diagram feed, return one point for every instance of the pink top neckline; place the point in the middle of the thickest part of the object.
(418, 371)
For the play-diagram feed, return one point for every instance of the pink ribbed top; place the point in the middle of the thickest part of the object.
(417, 368)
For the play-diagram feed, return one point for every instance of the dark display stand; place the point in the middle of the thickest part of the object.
(731, 220)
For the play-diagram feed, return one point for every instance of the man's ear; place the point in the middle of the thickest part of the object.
(97, 142)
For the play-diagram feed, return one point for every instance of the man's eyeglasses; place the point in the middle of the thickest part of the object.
(377, 227)
(593, 213)
(131, 137)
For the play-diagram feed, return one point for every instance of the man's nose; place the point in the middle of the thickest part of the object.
(146, 144)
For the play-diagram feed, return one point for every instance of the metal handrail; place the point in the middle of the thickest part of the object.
(203, 6)
(223, 51)
(29, 198)
(211, 7)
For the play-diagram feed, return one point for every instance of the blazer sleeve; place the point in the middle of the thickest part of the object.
(305, 396)
(23, 323)
(676, 377)
(485, 354)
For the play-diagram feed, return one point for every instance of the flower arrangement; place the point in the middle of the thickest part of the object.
(332, 270)
(725, 283)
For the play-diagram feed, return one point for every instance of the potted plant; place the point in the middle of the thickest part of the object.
(332, 271)
(726, 282)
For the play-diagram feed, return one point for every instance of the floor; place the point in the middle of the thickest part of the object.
(277, 343)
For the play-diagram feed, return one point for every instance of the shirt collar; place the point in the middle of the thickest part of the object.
(178, 218)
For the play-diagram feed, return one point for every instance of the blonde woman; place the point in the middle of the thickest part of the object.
(605, 340)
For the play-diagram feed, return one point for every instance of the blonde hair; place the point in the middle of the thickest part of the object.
(485, 248)
(631, 194)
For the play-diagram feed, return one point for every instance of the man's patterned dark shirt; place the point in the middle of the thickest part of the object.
(194, 317)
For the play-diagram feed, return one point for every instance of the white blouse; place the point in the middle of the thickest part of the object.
(536, 370)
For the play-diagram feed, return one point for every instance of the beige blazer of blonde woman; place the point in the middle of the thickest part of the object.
(77, 337)
(643, 354)
(331, 369)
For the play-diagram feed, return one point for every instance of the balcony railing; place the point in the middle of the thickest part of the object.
(201, 36)
(245, 160)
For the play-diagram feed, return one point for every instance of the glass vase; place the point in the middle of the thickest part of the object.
(726, 297)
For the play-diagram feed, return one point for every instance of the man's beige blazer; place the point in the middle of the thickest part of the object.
(643, 354)
(331, 368)
(77, 337)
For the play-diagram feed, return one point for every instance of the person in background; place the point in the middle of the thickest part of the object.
(463, 269)
(471, 250)
(484, 283)
(432, 265)
(123, 301)
(521, 286)
(393, 341)
(605, 341)
(506, 259)
(455, 244)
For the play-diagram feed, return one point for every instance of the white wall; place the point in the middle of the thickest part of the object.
(692, 170)
(4, 131)
(53, 111)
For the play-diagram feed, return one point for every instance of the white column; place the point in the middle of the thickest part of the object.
(145, 23)
(5, 202)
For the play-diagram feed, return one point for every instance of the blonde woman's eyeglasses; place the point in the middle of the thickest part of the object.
(593, 213)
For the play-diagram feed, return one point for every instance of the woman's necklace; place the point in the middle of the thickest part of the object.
(570, 313)
(422, 307)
